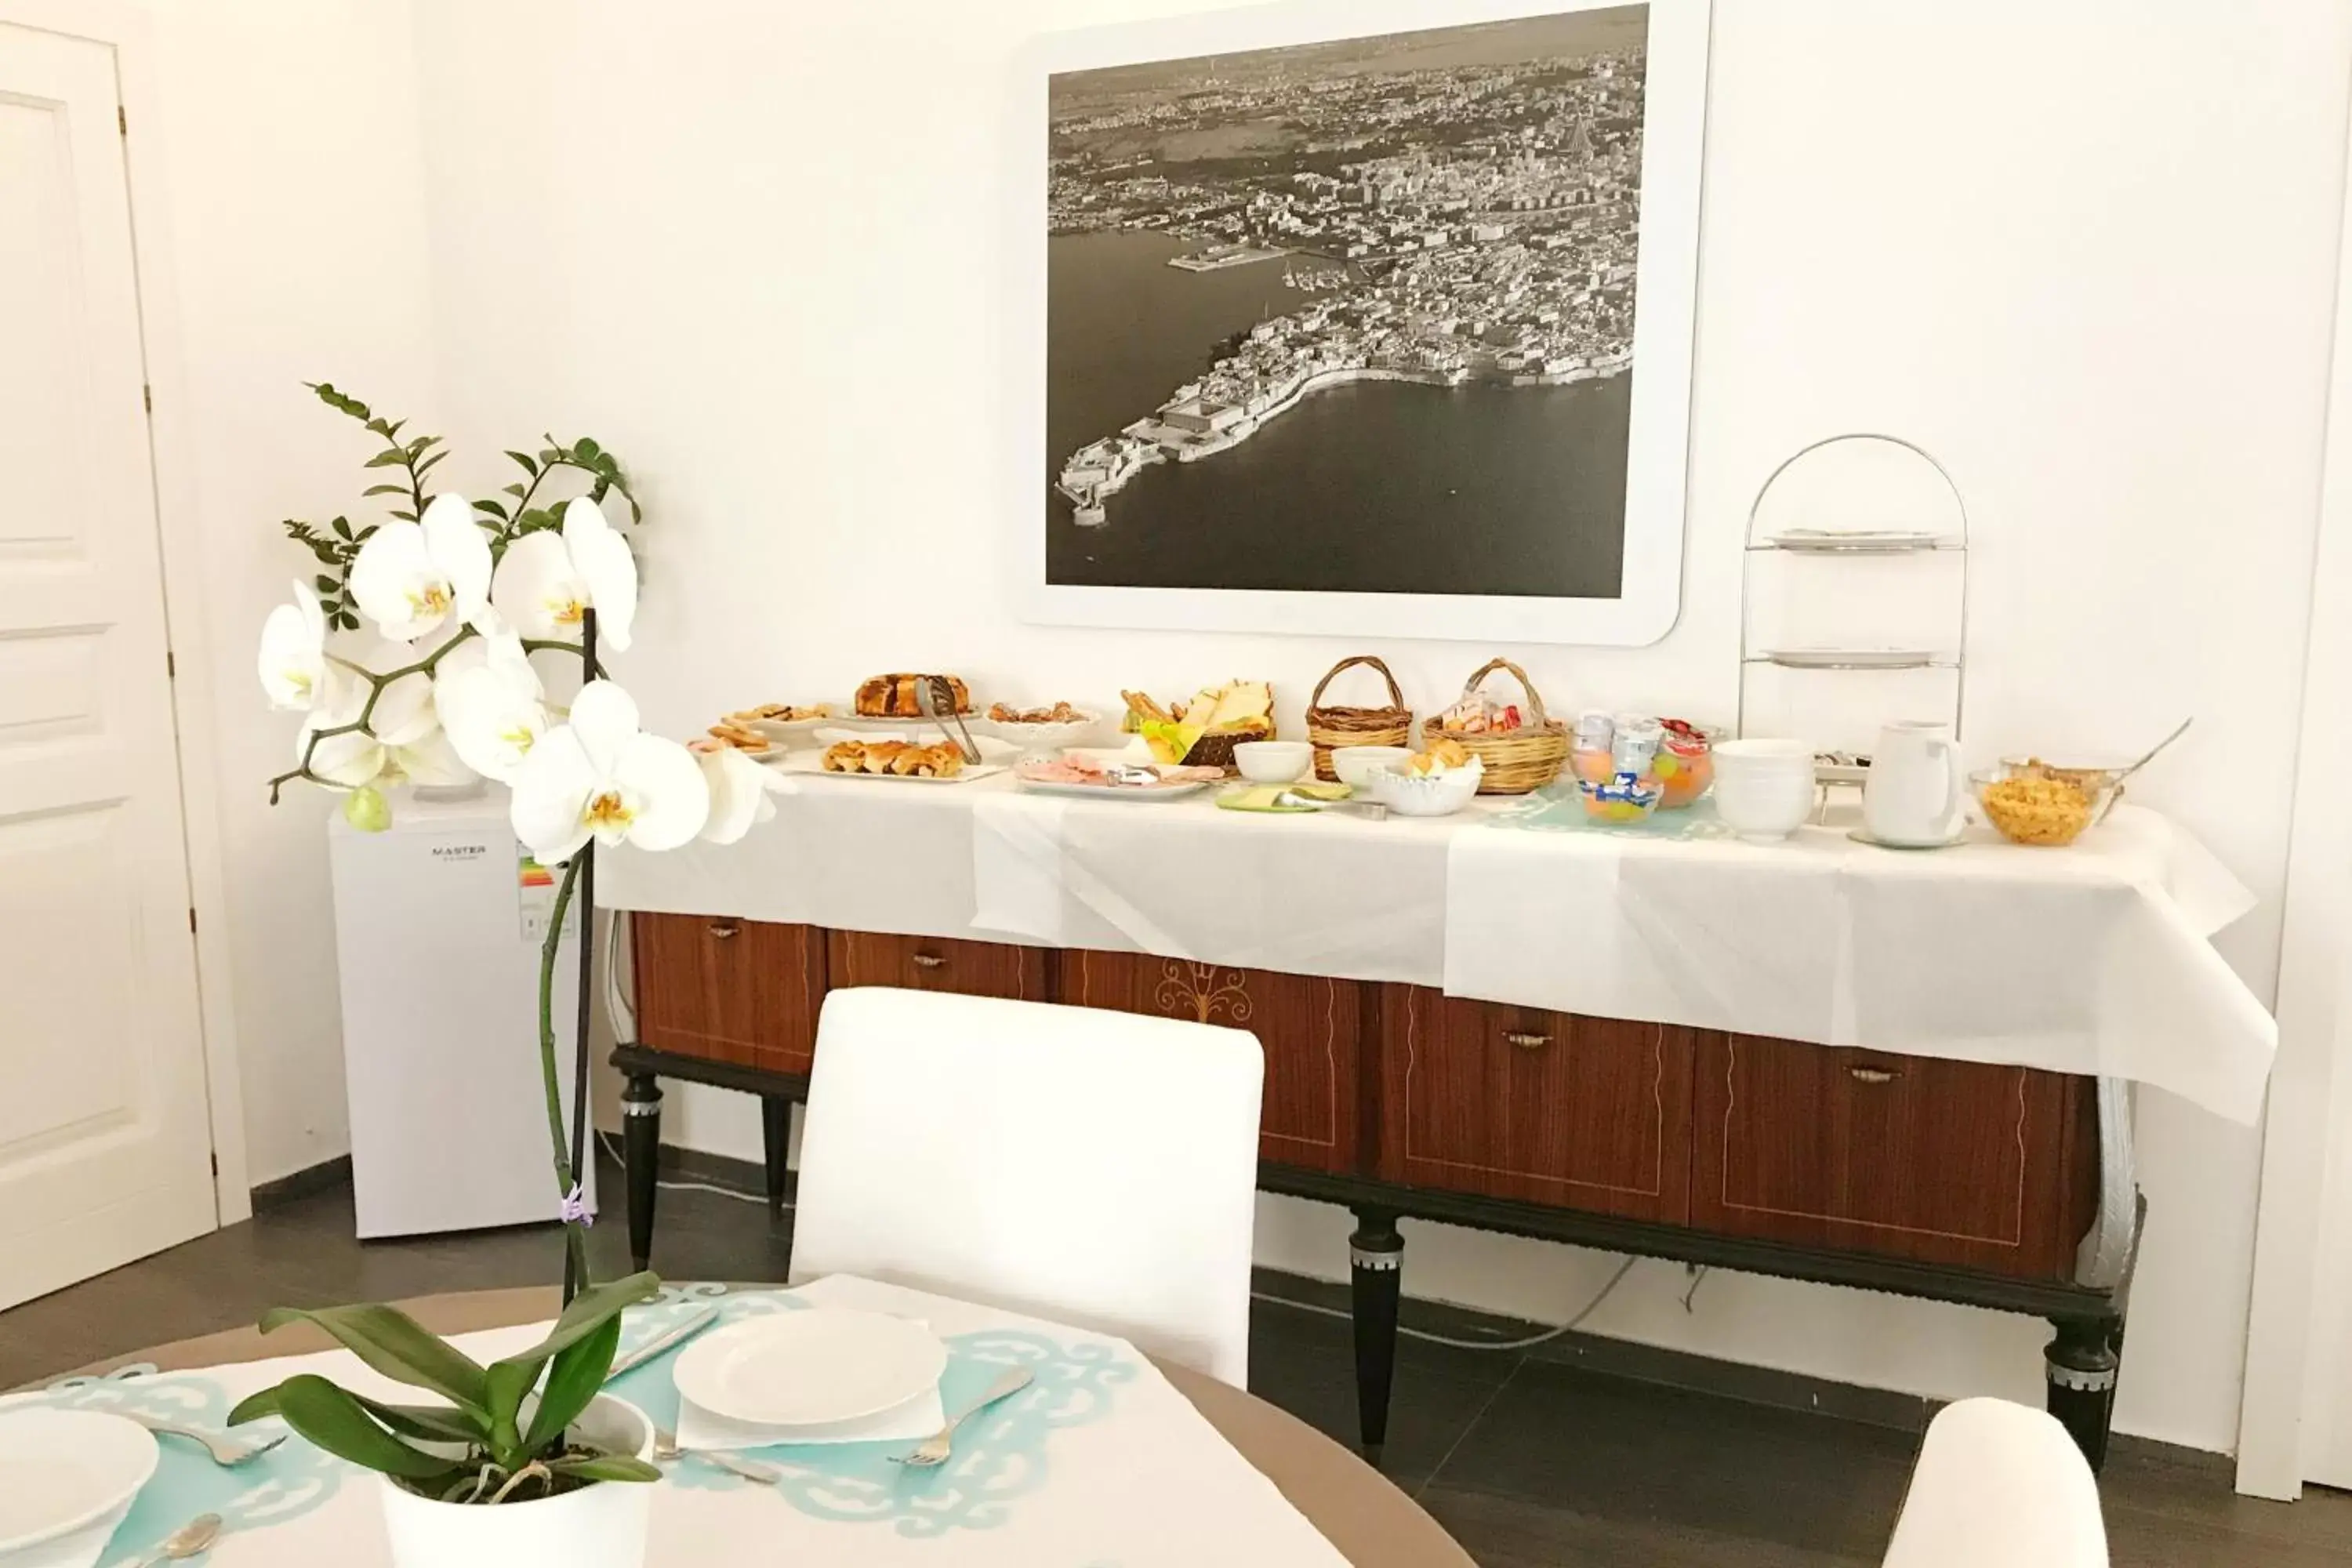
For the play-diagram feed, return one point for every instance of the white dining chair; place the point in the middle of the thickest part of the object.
(1998, 1486)
(1095, 1168)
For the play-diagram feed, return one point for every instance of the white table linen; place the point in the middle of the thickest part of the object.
(1100, 1461)
(2093, 958)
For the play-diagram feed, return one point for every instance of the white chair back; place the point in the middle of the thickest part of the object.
(1092, 1167)
(1998, 1486)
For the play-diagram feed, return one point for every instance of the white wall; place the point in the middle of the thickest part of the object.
(293, 172)
(2085, 253)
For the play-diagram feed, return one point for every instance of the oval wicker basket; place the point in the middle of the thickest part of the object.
(1328, 728)
(1521, 760)
(1215, 748)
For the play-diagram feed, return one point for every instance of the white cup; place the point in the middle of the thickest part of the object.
(1763, 788)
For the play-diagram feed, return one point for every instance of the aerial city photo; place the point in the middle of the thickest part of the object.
(1348, 316)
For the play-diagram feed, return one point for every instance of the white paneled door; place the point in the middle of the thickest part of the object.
(105, 1141)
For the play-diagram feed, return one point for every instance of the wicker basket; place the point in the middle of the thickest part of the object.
(1328, 728)
(1523, 759)
(1215, 749)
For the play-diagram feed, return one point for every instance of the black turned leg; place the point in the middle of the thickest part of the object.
(775, 1139)
(2081, 1362)
(641, 1152)
(1376, 1259)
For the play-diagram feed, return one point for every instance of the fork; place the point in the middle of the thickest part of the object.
(665, 1449)
(934, 1449)
(225, 1451)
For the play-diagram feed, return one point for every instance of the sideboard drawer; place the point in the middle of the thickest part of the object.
(729, 990)
(1311, 1028)
(1551, 1107)
(1962, 1162)
(937, 964)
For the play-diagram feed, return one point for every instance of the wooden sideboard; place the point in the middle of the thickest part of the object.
(1955, 1181)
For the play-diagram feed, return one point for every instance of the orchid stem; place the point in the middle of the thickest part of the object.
(576, 1242)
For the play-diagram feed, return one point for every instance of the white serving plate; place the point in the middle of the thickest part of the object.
(819, 1367)
(67, 1478)
(1851, 658)
(1117, 792)
(786, 732)
(813, 762)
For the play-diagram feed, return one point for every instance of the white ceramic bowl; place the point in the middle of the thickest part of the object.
(1047, 740)
(1764, 789)
(1430, 795)
(70, 1477)
(1359, 765)
(1274, 762)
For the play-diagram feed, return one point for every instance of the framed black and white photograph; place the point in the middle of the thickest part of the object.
(1366, 319)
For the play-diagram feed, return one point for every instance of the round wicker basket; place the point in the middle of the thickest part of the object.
(1328, 728)
(1521, 760)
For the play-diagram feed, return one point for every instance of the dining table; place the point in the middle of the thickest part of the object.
(1363, 1517)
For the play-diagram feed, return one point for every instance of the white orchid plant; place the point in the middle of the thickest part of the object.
(409, 658)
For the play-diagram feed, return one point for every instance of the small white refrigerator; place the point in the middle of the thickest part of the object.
(438, 925)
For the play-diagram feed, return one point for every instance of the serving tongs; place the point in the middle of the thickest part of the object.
(936, 701)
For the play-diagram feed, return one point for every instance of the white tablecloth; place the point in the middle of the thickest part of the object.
(1100, 1461)
(2092, 959)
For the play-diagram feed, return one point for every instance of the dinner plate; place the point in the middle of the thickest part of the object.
(819, 1367)
(787, 730)
(67, 1471)
(1116, 792)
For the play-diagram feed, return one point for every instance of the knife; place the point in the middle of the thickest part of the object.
(667, 1340)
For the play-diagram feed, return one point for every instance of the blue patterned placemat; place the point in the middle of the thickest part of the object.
(1000, 1456)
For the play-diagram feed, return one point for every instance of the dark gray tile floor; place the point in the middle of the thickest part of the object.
(1533, 1460)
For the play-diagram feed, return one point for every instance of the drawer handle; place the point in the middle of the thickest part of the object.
(1526, 1040)
(1871, 1075)
(722, 929)
(929, 960)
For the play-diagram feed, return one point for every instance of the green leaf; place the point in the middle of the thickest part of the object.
(573, 1379)
(324, 584)
(517, 492)
(390, 457)
(393, 1343)
(333, 1420)
(494, 508)
(405, 515)
(347, 622)
(529, 467)
(342, 527)
(426, 465)
(509, 1380)
(596, 491)
(585, 451)
(385, 490)
(549, 453)
(605, 1468)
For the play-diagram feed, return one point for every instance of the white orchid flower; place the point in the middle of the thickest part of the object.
(600, 776)
(739, 790)
(294, 652)
(411, 577)
(491, 705)
(403, 742)
(546, 581)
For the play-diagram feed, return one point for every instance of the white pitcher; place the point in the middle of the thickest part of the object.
(1915, 795)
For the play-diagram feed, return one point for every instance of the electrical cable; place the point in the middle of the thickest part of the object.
(604, 1142)
(1546, 1337)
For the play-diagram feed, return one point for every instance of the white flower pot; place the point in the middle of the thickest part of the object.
(600, 1526)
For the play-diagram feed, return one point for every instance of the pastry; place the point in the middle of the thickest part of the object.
(896, 696)
(781, 713)
(898, 759)
(740, 738)
(1059, 713)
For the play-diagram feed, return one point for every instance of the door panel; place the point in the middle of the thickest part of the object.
(1551, 1107)
(1984, 1166)
(1311, 1028)
(937, 964)
(729, 990)
(105, 1150)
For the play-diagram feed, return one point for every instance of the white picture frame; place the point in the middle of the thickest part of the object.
(1666, 276)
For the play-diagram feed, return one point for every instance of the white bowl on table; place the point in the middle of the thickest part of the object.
(1274, 762)
(66, 1479)
(1764, 789)
(1428, 795)
(1046, 741)
(1359, 766)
